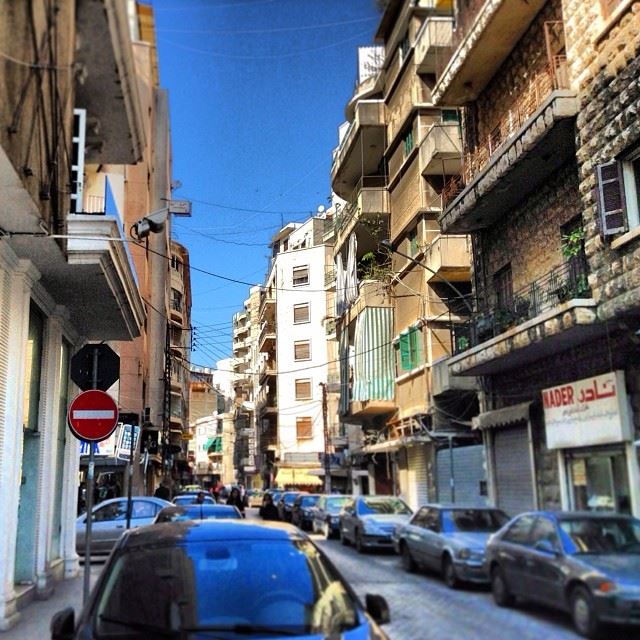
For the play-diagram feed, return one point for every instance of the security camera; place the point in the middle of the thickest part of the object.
(152, 223)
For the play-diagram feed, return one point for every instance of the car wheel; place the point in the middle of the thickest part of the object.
(583, 613)
(449, 573)
(408, 563)
(343, 538)
(359, 546)
(501, 594)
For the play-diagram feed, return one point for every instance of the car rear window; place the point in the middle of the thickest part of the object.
(475, 520)
(382, 505)
(309, 501)
(284, 585)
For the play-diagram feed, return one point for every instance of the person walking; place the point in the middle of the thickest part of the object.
(268, 510)
(163, 491)
(236, 500)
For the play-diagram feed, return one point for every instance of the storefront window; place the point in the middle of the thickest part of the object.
(599, 481)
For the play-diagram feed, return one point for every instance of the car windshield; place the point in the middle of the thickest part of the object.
(601, 535)
(289, 498)
(382, 505)
(309, 501)
(282, 585)
(335, 504)
(190, 499)
(476, 520)
(197, 514)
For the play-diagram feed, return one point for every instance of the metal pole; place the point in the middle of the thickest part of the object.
(325, 427)
(452, 479)
(129, 487)
(90, 484)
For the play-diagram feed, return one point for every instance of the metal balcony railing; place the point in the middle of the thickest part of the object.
(566, 282)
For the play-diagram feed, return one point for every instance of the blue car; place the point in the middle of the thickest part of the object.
(201, 579)
(326, 517)
(585, 563)
(450, 540)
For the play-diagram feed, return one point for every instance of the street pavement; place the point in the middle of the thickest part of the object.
(422, 607)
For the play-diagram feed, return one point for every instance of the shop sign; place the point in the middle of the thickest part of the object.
(588, 412)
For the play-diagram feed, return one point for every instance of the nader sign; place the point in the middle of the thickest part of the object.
(587, 412)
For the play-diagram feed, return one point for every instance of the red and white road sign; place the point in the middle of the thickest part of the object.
(93, 415)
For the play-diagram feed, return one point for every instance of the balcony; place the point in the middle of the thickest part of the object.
(531, 142)
(486, 33)
(441, 150)
(267, 338)
(550, 314)
(267, 307)
(369, 203)
(361, 148)
(108, 89)
(432, 42)
(371, 293)
(267, 370)
(176, 310)
(444, 385)
(448, 257)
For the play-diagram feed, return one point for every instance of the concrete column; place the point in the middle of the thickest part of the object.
(16, 281)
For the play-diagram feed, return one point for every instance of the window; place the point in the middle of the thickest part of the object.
(301, 313)
(176, 265)
(300, 276)
(302, 350)
(176, 300)
(410, 349)
(408, 143)
(303, 389)
(544, 529)
(503, 287)
(412, 238)
(304, 428)
(618, 191)
(450, 115)
(403, 49)
(518, 532)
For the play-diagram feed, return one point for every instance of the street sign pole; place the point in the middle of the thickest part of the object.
(132, 432)
(90, 483)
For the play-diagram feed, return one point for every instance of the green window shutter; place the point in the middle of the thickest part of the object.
(414, 347)
(405, 352)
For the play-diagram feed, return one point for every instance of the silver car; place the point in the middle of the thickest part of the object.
(369, 521)
(110, 521)
(451, 540)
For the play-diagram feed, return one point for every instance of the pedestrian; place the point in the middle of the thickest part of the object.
(199, 499)
(163, 491)
(268, 510)
(236, 500)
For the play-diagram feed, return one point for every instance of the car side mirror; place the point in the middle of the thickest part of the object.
(63, 624)
(545, 546)
(377, 608)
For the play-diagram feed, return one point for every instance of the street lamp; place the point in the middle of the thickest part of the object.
(389, 247)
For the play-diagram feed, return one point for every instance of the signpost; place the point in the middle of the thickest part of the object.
(92, 417)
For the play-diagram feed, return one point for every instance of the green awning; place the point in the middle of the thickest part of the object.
(213, 445)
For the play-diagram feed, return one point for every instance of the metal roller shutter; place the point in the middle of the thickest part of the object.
(417, 464)
(513, 478)
(468, 472)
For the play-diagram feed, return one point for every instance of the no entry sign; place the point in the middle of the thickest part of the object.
(93, 416)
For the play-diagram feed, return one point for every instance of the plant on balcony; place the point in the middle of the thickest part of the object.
(370, 269)
(521, 307)
(503, 318)
(572, 243)
(484, 327)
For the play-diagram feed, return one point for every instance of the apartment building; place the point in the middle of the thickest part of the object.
(548, 194)
(404, 290)
(72, 120)
(292, 343)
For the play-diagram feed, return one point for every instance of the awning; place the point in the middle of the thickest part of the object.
(393, 445)
(215, 443)
(502, 417)
(297, 477)
(338, 472)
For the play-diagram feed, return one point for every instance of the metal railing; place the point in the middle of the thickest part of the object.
(566, 282)
(352, 208)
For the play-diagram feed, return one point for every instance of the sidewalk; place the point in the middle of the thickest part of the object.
(36, 617)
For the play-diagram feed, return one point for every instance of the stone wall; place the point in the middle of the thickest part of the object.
(604, 55)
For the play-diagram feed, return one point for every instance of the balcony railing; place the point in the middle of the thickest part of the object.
(356, 204)
(566, 282)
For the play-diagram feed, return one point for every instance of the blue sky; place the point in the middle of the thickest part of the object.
(257, 90)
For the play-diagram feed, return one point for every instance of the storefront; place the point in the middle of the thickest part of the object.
(588, 423)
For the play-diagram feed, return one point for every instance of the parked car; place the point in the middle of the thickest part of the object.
(222, 578)
(369, 521)
(191, 497)
(109, 521)
(275, 495)
(451, 540)
(198, 512)
(326, 516)
(285, 504)
(303, 509)
(254, 497)
(587, 564)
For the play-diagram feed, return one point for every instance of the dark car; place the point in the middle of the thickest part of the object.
(285, 504)
(369, 521)
(303, 509)
(275, 495)
(224, 579)
(198, 512)
(109, 521)
(191, 497)
(450, 540)
(587, 564)
(326, 516)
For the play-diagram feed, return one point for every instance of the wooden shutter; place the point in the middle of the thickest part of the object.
(301, 313)
(303, 389)
(405, 352)
(304, 428)
(414, 347)
(302, 350)
(611, 203)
